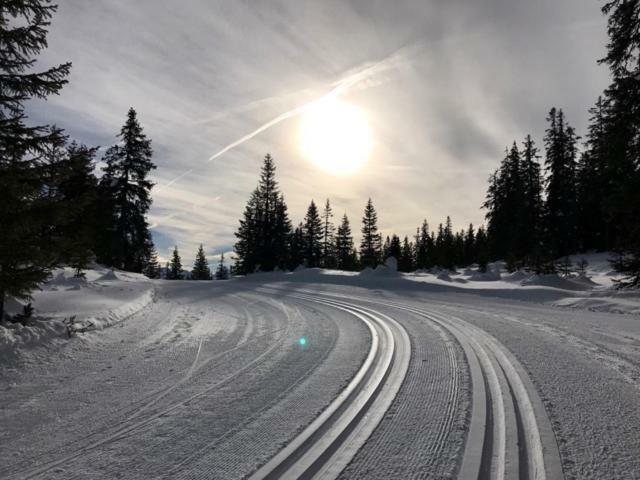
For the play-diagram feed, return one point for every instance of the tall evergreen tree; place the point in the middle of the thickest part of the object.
(469, 247)
(423, 247)
(201, 270)
(296, 245)
(25, 255)
(313, 237)
(482, 249)
(152, 268)
(371, 243)
(174, 271)
(406, 259)
(622, 136)
(222, 272)
(346, 259)
(265, 230)
(593, 222)
(531, 212)
(504, 205)
(395, 248)
(561, 208)
(126, 190)
(328, 232)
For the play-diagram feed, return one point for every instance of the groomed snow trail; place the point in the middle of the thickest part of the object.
(212, 382)
(176, 392)
(326, 446)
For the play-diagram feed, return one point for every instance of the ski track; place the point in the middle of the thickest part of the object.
(215, 389)
(423, 433)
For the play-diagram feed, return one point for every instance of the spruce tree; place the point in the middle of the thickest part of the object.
(406, 261)
(423, 246)
(395, 248)
(174, 271)
(328, 232)
(78, 190)
(126, 191)
(345, 256)
(531, 213)
(265, 229)
(296, 254)
(222, 272)
(561, 211)
(201, 270)
(469, 247)
(622, 137)
(26, 258)
(482, 250)
(152, 268)
(313, 237)
(371, 243)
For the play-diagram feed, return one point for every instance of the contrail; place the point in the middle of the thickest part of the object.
(340, 87)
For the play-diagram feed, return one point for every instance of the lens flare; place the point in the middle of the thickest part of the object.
(302, 341)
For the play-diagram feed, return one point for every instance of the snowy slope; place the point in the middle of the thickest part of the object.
(101, 299)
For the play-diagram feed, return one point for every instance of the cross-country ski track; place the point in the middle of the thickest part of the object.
(214, 381)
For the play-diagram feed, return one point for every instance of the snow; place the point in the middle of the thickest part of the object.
(101, 299)
(209, 379)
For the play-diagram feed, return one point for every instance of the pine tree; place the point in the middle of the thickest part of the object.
(504, 204)
(126, 190)
(593, 187)
(265, 230)
(78, 190)
(622, 137)
(328, 232)
(26, 258)
(201, 270)
(174, 271)
(346, 259)
(152, 268)
(313, 237)
(561, 211)
(469, 248)
(482, 250)
(222, 272)
(371, 243)
(406, 259)
(297, 248)
(394, 249)
(423, 247)
(531, 212)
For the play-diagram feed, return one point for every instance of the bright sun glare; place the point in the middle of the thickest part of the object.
(335, 136)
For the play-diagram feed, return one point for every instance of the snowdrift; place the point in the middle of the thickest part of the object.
(101, 299)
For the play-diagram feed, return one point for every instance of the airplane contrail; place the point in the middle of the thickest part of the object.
(340, 87)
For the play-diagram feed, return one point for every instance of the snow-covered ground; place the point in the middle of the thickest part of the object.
(213, 379)
(99, 300)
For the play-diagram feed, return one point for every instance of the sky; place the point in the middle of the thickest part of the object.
(445, 86)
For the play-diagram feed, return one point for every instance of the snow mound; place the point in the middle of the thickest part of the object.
(555, 281)
(109, 276)
(97, 301)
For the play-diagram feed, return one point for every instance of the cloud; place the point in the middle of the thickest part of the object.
(217, 85)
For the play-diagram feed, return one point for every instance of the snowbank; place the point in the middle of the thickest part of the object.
(102, 298)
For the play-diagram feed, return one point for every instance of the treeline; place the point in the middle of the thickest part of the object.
(200, 271)
(267, 240)
(587, 195)
(54, 210)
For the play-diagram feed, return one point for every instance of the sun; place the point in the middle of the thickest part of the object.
(335, 136)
